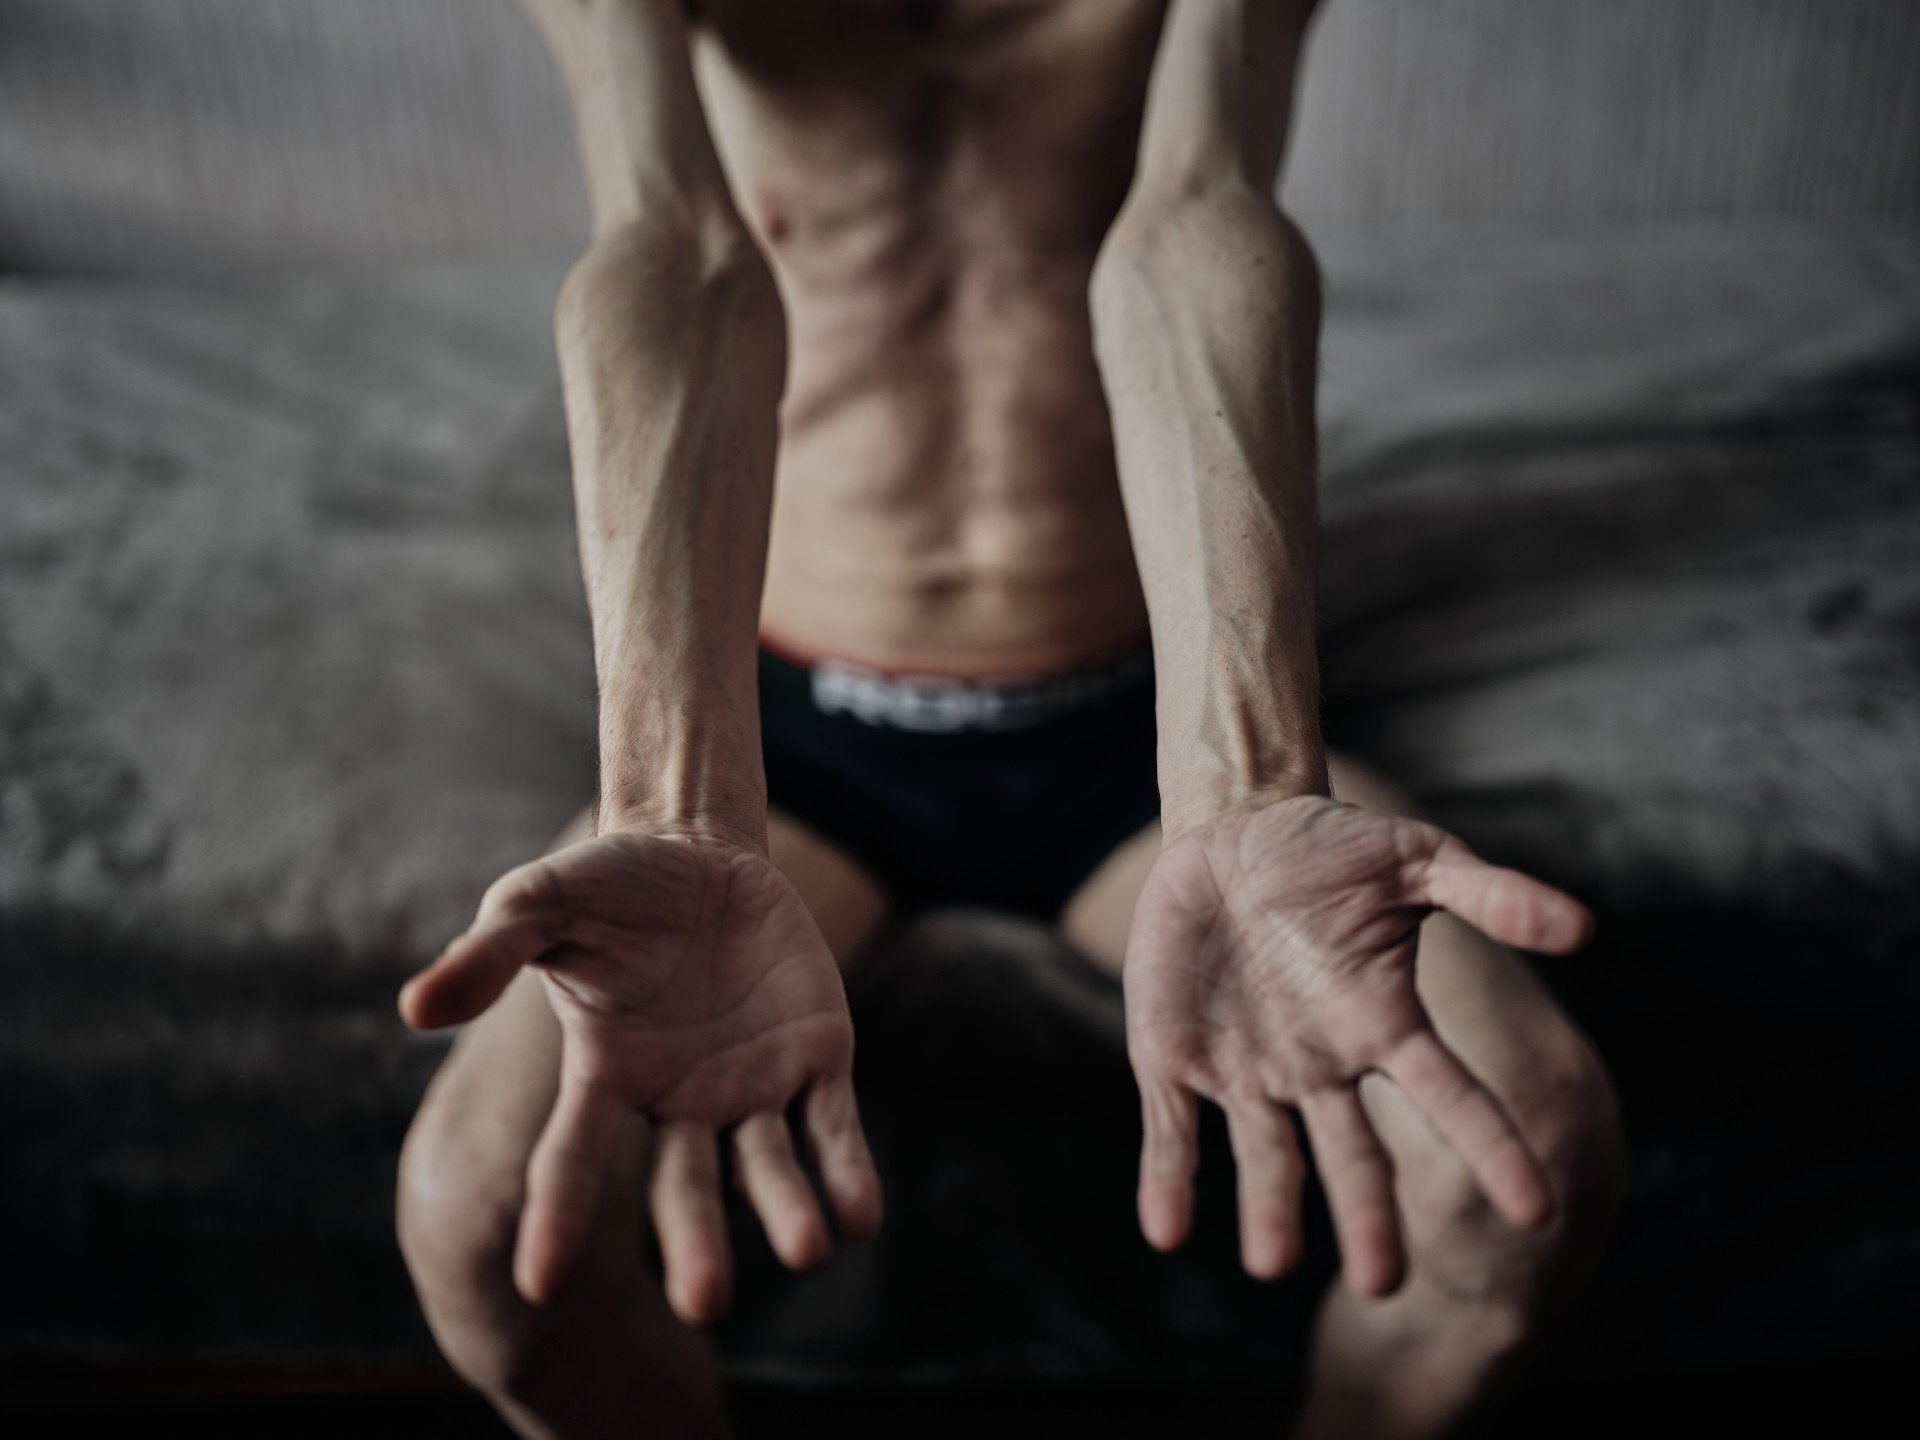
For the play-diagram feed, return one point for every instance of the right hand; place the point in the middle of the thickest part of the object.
(694, 991)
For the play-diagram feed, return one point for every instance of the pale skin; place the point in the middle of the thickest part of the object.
(968, 339)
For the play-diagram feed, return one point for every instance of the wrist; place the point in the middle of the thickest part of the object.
(735, 832)
(718, 819)
(1191, 798)
(1239, 718)
(684, 782)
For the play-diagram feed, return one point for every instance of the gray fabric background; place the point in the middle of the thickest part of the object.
(176, 137)
(1621, 577)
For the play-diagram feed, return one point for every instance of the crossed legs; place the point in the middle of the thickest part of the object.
(1478, 1297)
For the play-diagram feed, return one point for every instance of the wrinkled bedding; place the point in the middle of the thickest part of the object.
(1621, 577)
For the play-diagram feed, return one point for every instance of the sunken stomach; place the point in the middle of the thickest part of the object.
(946, 500)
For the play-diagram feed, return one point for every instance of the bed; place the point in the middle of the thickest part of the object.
(1621, 578)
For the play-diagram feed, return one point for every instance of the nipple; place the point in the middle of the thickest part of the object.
(773, 219)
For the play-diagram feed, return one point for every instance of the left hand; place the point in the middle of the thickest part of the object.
(1270, 967)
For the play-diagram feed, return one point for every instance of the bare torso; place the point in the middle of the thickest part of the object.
(932, 180)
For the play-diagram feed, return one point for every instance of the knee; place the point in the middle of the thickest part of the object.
(1571, 1117)
(457, 1223)
(1519, 1279)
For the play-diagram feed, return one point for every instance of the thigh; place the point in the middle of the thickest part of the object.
(846, 902)
(1098, 916)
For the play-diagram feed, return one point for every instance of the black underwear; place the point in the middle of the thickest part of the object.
(957, 792)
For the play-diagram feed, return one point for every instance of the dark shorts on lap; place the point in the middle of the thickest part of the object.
(956, 792)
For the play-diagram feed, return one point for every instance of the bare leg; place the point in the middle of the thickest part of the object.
(608, 1356)
(1100, 913)
(1480, 1294)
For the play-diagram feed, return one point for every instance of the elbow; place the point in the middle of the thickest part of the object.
(666, 272)
(1195, 224)
(1213, 237)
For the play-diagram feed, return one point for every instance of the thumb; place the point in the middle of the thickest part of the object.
(1513, 908)
(470, 974)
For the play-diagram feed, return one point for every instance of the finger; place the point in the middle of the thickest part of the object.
(471, 973)
(564, 1180)
(687, 1216)
(839, 1146)
(778, 1191)
(1359, 1181)
(1465, 1115)
(1169, 1154)
(1266, 1158)
(1513, 908)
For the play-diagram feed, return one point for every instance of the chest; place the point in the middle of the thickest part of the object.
(861, 125)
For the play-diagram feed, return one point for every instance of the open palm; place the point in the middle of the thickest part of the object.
(693, 989)
(1270, 967)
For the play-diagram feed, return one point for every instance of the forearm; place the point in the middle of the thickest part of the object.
(1206, 321)
(672, 355)
(672, 352)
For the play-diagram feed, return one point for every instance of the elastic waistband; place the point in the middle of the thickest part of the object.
(943, 705)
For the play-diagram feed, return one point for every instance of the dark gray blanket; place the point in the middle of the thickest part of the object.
(1621, 578)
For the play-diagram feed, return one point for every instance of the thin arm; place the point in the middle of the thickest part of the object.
(1206, 312)
(672, 355)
